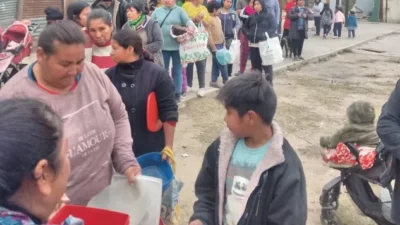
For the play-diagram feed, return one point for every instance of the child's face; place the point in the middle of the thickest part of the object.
(216, 12)
(257, 6)
(236, 124)
(227, 4)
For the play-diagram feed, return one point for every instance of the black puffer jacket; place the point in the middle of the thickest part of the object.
(258, 24)
(135, 81)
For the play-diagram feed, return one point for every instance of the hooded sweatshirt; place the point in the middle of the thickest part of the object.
(258, 24)
(96, 127)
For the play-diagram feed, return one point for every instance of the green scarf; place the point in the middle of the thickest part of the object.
(135, 23)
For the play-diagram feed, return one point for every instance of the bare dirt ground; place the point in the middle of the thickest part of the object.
(312, 102)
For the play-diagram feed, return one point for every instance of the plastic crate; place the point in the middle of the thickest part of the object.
(90, 216)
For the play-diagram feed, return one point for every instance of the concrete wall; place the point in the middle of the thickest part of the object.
(365, 5)
(393, 15)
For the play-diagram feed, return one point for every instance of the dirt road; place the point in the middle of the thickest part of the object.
(312, 102)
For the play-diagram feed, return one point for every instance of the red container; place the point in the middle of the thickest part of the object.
(91, 216)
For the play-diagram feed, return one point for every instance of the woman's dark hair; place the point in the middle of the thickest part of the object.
(75, 9)
(99, 14)
(213, 5)
(63, 32)
(53, 14)
(30, 131)
(129, 37)
(250, 91)
(138, 6)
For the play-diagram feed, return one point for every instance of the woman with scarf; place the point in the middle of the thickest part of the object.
(256, 26)
(148, 29)
(136, 76)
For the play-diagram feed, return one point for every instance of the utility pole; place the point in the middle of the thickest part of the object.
(346, 13)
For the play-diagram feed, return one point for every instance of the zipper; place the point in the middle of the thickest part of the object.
(255, 33)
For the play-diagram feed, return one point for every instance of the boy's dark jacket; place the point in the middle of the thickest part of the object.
(258, 24)
(389, 131)
(135, 81)
(279, 187)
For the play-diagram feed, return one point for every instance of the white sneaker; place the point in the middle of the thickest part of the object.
(201, 92)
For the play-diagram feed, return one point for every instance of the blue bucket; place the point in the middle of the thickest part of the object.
(153, 166)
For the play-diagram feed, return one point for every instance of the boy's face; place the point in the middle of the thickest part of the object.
(227, 4)
(239, 125)
(216, 12)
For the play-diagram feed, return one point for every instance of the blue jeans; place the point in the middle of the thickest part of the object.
(216, 67)
(176, 68)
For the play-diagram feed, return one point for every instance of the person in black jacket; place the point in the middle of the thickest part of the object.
(117, 8)
(135, 76)
(388, 129)
(250, 174)
(255, 28)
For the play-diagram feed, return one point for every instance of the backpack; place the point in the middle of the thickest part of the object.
(326, 18)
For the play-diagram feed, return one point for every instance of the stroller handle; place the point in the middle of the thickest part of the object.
(33, 27)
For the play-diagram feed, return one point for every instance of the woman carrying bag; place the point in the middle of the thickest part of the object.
(255, 28)
(169, 15)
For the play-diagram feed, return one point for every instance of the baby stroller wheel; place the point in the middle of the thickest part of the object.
(329, 217)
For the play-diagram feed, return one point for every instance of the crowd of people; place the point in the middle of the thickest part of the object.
(81, 110)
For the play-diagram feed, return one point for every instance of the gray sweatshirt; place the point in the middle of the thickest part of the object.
(96, 126)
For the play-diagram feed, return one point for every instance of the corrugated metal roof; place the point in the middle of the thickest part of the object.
(8, 12)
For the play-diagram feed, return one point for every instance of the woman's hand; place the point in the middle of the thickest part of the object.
(168, 154)
(132, 172)
(64, 200)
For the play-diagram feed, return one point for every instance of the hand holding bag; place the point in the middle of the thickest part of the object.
(270, 51)
(234, 49)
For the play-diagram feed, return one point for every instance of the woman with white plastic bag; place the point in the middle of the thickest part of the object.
(255, 28)
(270, 51)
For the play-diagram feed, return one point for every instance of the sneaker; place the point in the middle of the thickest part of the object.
(335, 37)
(201, 92)
(238, 73)
(215, 85)
(183, 95)
(325, 36)
(296, 58)
(301, 58)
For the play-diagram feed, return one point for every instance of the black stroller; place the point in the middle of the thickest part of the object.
(357, 182)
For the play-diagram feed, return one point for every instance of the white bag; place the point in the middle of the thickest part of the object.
(270, 51)
(234, 49)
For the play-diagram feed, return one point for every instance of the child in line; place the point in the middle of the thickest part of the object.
(216, 42)
(250, 174)
(230, 26)
(352, 24)
(256, 26)
(326, 20)
(339, 21)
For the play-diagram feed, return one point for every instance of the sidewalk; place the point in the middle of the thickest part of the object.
(314, 49)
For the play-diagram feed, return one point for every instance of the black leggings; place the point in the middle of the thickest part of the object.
(256, 64)
(297, 44)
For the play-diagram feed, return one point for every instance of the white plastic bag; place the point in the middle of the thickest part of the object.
(234, 49)
(195, 49)
(270, 51)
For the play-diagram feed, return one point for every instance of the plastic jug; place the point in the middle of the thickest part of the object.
(141, 201)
